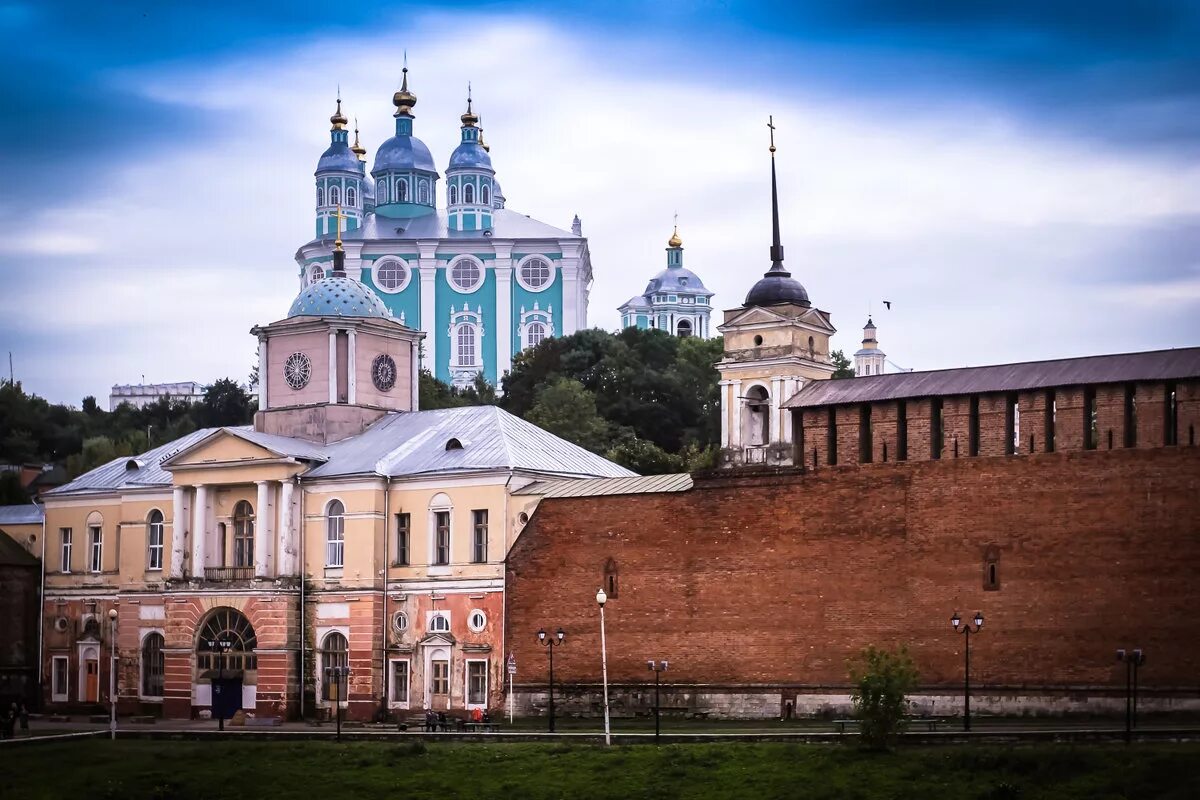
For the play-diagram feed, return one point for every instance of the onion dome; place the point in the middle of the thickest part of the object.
(338, 120)
(404, 100)
(675, 241)
(402, 153)
(677, 279)
(357, 148)
(338, 156)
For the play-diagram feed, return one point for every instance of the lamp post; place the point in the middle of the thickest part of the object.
(220, 647)
(601, 599)
(966, 630)
(551, 642)
(334, 676)
(112, 673)
(658, 667)
(1133, 659)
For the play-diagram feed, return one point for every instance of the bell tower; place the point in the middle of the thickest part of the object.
(870, 359)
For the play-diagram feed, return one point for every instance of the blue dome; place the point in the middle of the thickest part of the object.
(470, 155)
(338, 297)
(338, 157)
(404, 152)
(677, 279)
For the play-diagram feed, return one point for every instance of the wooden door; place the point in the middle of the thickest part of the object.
(439, 685)
(91, 686)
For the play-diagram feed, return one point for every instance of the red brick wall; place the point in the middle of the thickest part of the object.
(779, 580)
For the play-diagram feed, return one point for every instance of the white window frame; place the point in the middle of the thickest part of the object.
(335, 195)
(322, 633)
(487, 678)
(320, 195)
(393, 700)
(65, 695)
(65, 545)
(440, 502)
(153, 698)
(452, 195)
(381, 190)
(462, 288)
(423, 195)
(341, 531)
(315, 273)
(352, 197)
(471, 620)
(430, 616)
(535, 315)
(150, 546)
(387, 261)
(485, 195)
(462, 374)
(529, 287)
(95, 548)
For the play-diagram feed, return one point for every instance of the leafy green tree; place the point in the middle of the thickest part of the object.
(90, 406)
(567, 409)
(97, 451)
(842, 366)
(12, 493)
(881, 681)
(225, 403)
(645, 458)
(433, 393)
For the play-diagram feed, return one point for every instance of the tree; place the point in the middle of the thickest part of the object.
(567, 409)
(90, 406)
(842, 367)
(12, 493)
(225, 403)
(645, 458)
(882, 681)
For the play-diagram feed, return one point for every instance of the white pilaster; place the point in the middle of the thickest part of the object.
(284, 550)
(570, 294)
(199, 530)
(179, 526)
(736, 420)
(351, 382)
(332, 367)
(724, 413)
(776, 429)
(428, 270)
(262, 374)
(415, 367)
(504, 320)
(262, 528)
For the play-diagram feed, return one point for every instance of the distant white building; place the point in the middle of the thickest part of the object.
(141, 395)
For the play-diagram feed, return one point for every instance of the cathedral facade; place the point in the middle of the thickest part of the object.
(675, 300)
(481, 282)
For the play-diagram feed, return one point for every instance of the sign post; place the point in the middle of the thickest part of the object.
(512, 670)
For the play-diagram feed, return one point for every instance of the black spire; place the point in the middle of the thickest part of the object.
(776, 247)
(777, 285)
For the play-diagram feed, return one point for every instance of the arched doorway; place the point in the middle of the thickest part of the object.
(756, 425)
(683, 328)
(226, 675)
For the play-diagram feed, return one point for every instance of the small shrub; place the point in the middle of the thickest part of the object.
(882, 681)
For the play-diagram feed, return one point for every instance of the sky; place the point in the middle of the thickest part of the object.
(1020, 179)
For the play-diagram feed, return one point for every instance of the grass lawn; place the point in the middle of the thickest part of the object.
(134, 770)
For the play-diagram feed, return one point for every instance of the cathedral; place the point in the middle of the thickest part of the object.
(480, 281)
(675, 299)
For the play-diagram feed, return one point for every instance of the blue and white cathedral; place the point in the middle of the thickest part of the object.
(482, 282)
(675, 299)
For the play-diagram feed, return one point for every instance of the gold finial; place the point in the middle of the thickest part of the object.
(675, 241)
(358, 149)
(771, 125)
(338, 216)
(482, 142)
(469, 119)
(404, 100)
(338, 119)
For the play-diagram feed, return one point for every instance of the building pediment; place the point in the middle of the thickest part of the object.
(753, 315)
(232, 446)
(438, 640)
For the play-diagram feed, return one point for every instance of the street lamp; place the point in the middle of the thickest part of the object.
(112, 674)
(1133, 659)
(601, 599)
(551, 642)
(658, 667)
(220, 647)
(966, 630)
(334, 676)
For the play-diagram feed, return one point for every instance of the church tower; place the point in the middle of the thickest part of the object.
(469, 179)
(869, 360)
(405, 175)
(339, 179)
(775, 343)
(675, 300)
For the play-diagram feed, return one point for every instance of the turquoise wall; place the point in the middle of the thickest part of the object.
(484, 299)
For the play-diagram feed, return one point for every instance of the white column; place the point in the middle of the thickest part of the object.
(415, 366)
(199, 530)
(504, 319)
(724, 413)
(284, 551)
(351, 383)
(735, 419)
(776, 390)
(428, 312)
(179, 528)
(262, 374)
(570, 294)
(333, 367)
(262, 528)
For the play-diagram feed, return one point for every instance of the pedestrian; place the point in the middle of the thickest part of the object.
(8, 719)
(23, 715)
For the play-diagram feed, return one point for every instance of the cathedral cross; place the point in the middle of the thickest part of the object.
(771, 125)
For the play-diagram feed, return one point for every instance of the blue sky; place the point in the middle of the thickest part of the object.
(1020, 178)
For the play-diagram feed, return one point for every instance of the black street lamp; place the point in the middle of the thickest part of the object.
(657, 667)
(1133, 659)
(966, 630)
(334, 678)
(220, 647)
(551, 642)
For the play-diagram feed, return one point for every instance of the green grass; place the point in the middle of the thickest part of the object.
(181, 770)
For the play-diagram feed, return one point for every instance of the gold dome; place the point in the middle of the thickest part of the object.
(404, 100)
(338, 119)
(358, 149)
(469, 119)
(482, 142)
(675, 241)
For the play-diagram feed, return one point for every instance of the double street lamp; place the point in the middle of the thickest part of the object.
(220, 647)
(966, 630)
(112, 674)
(551, 642)
(1132, 659)
(658, 667)
(601, 599)
(335, 677)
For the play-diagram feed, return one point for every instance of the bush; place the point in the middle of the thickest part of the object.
(882, 681)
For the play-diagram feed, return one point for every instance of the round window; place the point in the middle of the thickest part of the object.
(535, 274)
(477, 621)
(297, 370)
(383, 372)
(391, 275)
(757, 341)
(465, 275)
(399, 622)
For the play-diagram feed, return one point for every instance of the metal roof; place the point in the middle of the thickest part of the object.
(434, 225)
(595, 487)
(1156, 365)
(24, 514)
(132, 472)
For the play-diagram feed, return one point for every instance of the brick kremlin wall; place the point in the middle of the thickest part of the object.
(759, 588)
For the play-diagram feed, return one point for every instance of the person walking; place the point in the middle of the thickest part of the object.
(8, 719)
(23, 715)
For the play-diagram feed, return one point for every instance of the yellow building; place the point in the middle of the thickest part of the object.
(237, 567)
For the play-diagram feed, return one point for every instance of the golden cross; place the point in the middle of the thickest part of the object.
(771, 125)
(338, 216)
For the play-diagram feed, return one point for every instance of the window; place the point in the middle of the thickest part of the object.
(64, 535)
(320, 196)
(465, 275)
(810, 345)
(991, 569)
(477, 621)
(423, 192)
(243, 535)
(96, 548)
(154, 557)
(865, 449)
(227, 625)
(477, 683)
(59, 685)
(439, 682)
(403, 539)
(464, 338)
(535, 334)
(439, 623)
(153, 665)
(1051, 415)
(468, 194)
(391, 275)
(401, 191)
(901, 430)
(335, 534)
(973, 427)
(315, 274)
(382, 189)
(683, 328)
(484, 195)
(399, 622)
(1131, 415)
(1091, 430)
(937, 430)
(399, 687)
(1170, 416)
(335, 653)
(534, 274)
(479, 535)
(452, 194)
(351, 197)
(335, 196)
(441, 546)
(612, 581)
(831, 437)
(757, 419)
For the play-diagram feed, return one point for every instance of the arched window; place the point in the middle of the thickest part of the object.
(811, 344)
(153, 665)
(535, 332)
(243, 535)
(484, 194)
(315, 274)
(611, 579)
(401, 191)
(756, 430)
(154, 540)
(335, 196)
(320, 196)
(352, 197)
(439, 623)
(683, 328)
(991, 568)
(423, 192)
(335, 534)
(335, 652)
(469, 193)
(465, 339)
(382, 189)
(226, 642)
(452, 194)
